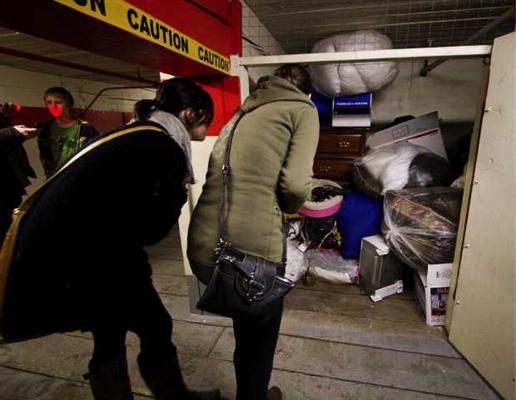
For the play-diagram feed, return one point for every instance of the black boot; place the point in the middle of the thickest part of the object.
(110, 381)
(165, 381)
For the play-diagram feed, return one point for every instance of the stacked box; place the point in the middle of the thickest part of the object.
(422, 131)
(432, 291)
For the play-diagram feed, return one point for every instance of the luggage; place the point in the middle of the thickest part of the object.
(360, 216)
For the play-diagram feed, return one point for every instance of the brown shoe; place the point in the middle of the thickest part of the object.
(274, 393)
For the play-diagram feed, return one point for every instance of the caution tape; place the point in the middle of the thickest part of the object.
(131, 19)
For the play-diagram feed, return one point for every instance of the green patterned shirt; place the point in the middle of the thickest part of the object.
(64, 142)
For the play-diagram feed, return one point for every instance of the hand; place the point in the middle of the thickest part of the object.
(27, 133)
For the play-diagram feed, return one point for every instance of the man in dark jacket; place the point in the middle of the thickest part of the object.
(15, 169)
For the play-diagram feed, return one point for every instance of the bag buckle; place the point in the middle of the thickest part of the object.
(254, 289)
(220, 245)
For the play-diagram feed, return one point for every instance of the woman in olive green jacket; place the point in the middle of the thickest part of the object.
(271, 170)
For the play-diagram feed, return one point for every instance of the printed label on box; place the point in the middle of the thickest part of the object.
(438, 300)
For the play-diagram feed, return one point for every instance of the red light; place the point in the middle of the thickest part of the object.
(56, 110)
(17, 107)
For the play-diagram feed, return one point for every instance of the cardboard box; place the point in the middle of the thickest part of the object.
(422, 131)
(352, 111)
(432, 290)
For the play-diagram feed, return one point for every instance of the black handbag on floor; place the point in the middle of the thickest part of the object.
(242, 284)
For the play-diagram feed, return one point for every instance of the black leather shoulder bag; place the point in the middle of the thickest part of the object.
(242, 284)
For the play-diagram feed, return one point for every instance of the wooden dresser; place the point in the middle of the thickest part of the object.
(338, 148)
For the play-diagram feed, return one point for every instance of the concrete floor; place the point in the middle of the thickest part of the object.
(334, 344)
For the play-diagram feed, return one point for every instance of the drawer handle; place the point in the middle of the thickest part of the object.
(325, 168)
(342, 144)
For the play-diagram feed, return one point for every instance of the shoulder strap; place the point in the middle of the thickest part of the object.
(225, 177)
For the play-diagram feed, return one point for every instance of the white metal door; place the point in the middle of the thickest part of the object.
(483, 322)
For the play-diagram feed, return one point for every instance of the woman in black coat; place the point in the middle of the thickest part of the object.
(15, 171)
(79, 258)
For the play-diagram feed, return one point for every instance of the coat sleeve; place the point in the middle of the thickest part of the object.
(91, 132)
(88, 133)
(10, 138)
(164, 208)
(45, 155)
(296, 175)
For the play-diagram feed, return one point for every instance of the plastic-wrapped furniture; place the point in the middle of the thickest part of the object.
(420, 225)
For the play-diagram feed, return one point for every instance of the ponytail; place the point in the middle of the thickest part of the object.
(144, 108)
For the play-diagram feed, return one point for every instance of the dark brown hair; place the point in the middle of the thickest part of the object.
(175, 95)
(297, 75)
(62, 92)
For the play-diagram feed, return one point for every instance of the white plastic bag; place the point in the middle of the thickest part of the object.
(328, 265)
(335, 80)
(296, 262)
(390, 164)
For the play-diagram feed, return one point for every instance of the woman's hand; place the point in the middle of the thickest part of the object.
(27, 133)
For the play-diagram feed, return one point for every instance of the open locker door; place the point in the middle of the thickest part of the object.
(482, 323)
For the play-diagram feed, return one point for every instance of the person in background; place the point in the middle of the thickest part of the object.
(138, 107)
(89, 228)
(63, 134)
(271, 172)
(15, 169)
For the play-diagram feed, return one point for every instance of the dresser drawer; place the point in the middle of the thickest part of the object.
(334, 169)
(340, 144)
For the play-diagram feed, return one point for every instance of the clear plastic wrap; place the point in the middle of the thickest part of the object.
(420, 225)
(459, 182)
(318, 263)
(296, 262)
(328, 265)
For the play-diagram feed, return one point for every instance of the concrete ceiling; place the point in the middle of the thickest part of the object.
(30, 45)
(298, 24)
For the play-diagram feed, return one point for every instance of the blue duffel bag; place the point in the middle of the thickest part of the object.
(360, 216)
